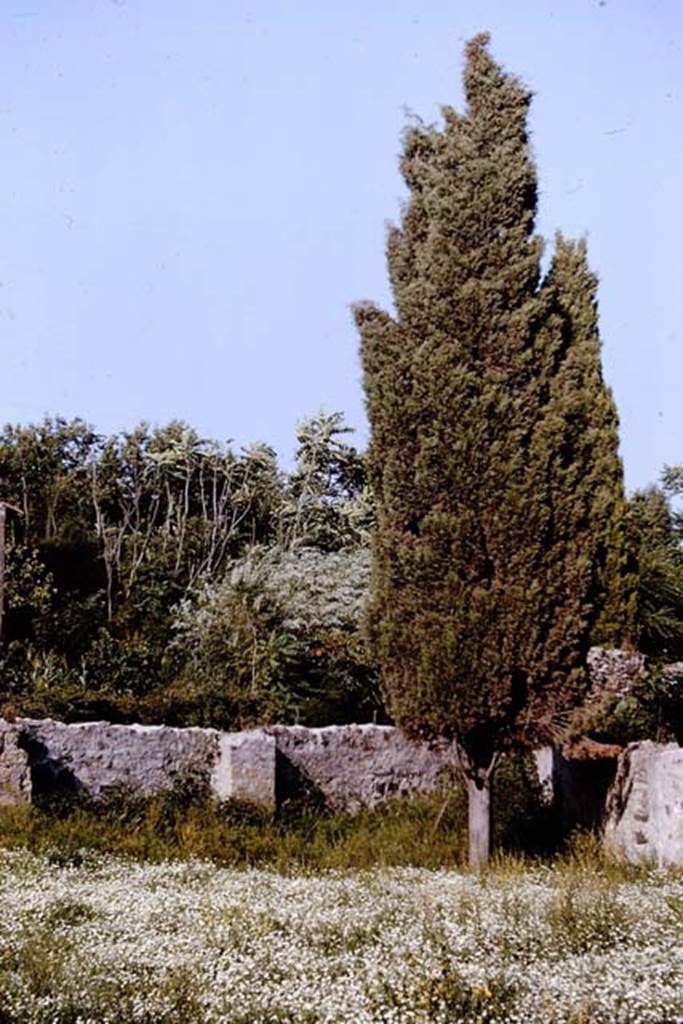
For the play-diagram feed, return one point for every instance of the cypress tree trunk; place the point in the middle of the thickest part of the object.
(479, 820)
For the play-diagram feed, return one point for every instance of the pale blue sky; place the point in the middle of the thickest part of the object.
(192, 194)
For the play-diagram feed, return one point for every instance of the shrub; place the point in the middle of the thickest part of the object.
(278, 639)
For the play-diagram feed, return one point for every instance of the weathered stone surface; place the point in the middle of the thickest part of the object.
(94, 756)
(351, 766)
(245, 769)
(347, 766)
(644, 812)
(15, 774)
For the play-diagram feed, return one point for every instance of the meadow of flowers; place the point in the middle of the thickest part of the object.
(100, 939)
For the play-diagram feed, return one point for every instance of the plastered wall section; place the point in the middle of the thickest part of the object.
(245, 768)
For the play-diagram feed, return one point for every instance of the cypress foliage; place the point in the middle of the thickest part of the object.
(493, 449)
(593, 414)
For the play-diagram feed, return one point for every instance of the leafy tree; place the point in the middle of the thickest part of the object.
(173, 507)
(586, 446)
(327, 502)
(117, 531)
(29, 589)
(113, 532)
(234, 649)
(672, 482)
(660, 582)
(493, 451)
(45, 470)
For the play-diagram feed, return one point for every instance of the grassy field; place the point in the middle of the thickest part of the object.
(97, 938)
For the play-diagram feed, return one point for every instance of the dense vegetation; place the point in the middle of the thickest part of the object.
(154, 575)
(161, 577)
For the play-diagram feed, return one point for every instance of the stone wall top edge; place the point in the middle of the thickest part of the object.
(363, 726)
(104, 724)
(275, 730)
(652, 745)
(270, 730)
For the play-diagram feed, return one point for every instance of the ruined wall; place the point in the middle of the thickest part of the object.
(346, 766)
(143, 760)
(351, 766)
(640, 808)
(15, 772)
(96, 755)
(644, 809)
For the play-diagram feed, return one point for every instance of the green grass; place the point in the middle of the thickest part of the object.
(400, 833)
(185, 824)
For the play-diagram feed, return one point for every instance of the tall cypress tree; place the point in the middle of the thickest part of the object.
(493, 448)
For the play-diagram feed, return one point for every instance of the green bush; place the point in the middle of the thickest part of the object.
(277, 639)
(651, 709)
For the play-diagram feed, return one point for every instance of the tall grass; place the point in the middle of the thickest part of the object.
(232, 835)
(185, 823)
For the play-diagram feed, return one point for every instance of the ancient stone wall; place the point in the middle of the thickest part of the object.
(351, 766)
(644, 809)
(95, 756)
(345, 766)
(15, 772)
(47, 757)
(636, 798)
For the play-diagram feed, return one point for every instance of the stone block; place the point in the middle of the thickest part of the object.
(644, 814)
(245, 768)
(15, 771)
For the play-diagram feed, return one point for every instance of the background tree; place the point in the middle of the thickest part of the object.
(327, 502)
(493, 452)
(277, 638)
(155, 575)
(660, 584)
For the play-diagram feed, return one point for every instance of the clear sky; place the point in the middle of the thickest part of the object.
(193, 193)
